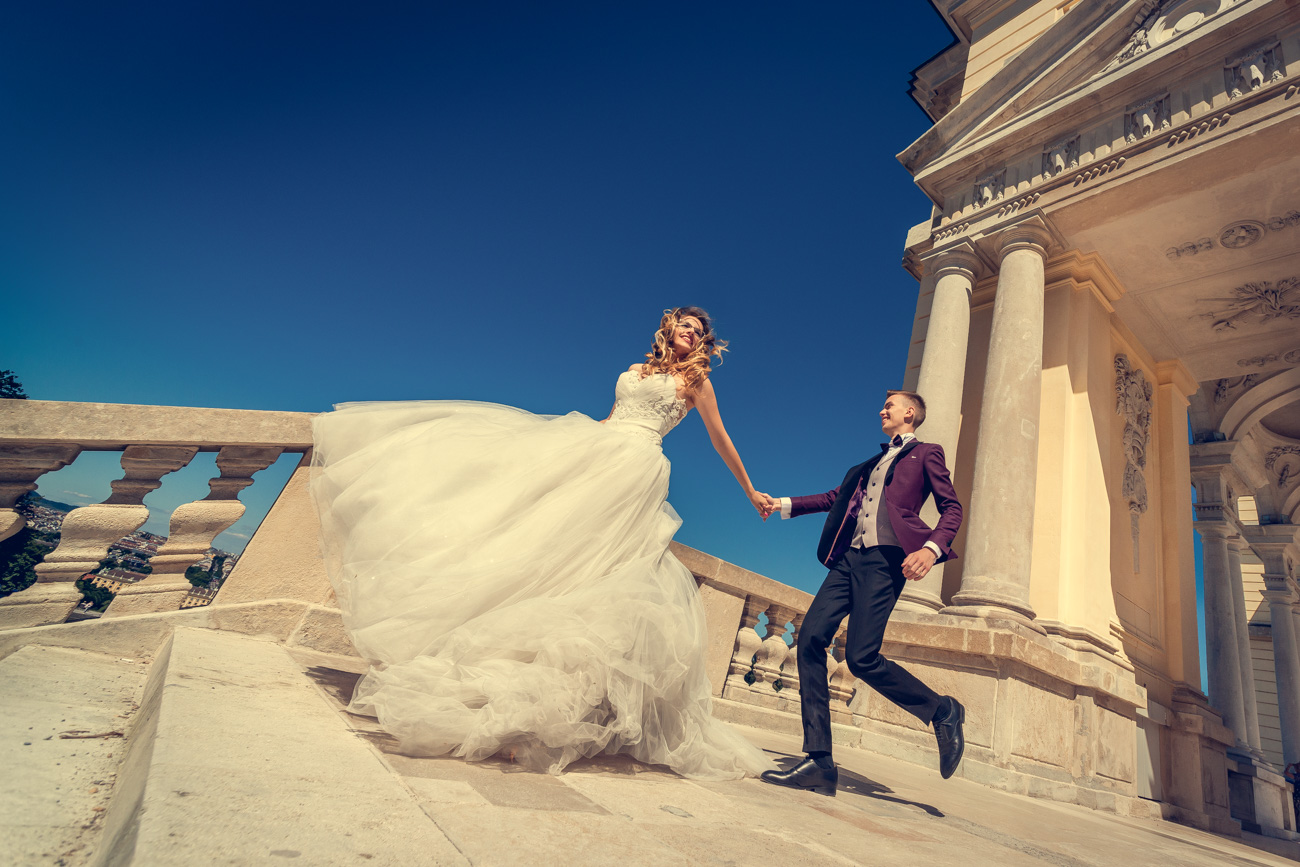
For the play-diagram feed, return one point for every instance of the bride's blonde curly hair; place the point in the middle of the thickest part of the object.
(694, 368)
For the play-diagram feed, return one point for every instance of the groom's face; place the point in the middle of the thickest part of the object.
(895, 415)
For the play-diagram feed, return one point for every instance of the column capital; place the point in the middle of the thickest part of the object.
(1278, 593)
(1032, 232)
(962, 258)
(1214, 528)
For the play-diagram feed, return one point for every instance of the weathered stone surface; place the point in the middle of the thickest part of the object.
(283, 559)
(65, 714)
(281, 768)
(321, 629)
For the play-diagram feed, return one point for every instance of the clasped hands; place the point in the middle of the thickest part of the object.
(915, 565)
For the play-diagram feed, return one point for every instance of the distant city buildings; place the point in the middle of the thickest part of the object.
(128, 558)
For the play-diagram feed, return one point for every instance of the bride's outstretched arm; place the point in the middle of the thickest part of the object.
(706, 401)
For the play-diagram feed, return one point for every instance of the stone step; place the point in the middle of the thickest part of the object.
(66, 715)
(236, 758)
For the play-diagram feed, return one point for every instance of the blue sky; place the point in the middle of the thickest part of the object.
(286, 206)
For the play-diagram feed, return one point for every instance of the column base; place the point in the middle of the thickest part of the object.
(996, 612)
(916, 599)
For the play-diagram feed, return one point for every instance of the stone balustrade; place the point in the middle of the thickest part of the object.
(38, 437)
(1042, 718)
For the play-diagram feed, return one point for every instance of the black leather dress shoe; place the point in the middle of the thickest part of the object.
(947, 731)
(806, 775)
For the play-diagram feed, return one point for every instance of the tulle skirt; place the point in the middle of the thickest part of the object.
(508, 576)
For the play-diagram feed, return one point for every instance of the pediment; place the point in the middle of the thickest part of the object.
(1090, 41)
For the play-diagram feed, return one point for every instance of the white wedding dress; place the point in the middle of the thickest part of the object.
(508, 576)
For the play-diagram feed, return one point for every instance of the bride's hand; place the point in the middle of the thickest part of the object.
(763, 503)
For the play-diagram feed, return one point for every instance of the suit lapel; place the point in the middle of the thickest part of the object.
(902, 453)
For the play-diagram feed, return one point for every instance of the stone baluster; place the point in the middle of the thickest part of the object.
(20, 467)
(89, 531)
(1000, 539)
(1241, 623)
(773, 651)
(1220, 627)
(193, 527)
(747, 643)
(841, 679)
(790, 670)
(941, 383)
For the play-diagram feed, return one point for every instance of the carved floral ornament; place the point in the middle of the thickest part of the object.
(1258, 303)
(1133, 402)
(1292, 357)
(1235, 236)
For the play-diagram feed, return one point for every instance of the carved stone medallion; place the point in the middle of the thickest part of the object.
(1241, 234)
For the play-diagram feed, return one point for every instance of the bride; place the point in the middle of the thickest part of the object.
(508, 574)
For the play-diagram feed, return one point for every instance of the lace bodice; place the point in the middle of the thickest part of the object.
(648, 408)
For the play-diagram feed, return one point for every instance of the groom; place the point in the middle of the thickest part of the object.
(874, 541)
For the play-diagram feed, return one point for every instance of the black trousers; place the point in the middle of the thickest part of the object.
(864, 585)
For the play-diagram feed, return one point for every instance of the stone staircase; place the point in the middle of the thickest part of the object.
(223, 748)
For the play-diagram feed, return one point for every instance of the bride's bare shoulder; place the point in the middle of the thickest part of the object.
(637, 367)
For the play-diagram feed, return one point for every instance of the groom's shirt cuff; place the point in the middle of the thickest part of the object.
(938, 555)
(785, 508)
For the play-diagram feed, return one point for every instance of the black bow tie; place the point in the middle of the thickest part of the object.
(894, 443)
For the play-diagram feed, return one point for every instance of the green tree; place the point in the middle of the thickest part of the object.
(10, 387)
(197, 576)
(99, 597)
(19, 555)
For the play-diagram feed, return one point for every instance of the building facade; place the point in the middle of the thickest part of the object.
(1107, 334)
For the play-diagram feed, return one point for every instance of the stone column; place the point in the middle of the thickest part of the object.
(1000, 538)
(1241, 622)
(1270, 543)
(1286, 666)
(1220, 629)
(941, 383)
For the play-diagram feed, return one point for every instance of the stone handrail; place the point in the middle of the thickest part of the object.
(744, 666)
(279, 588)
(38, 437)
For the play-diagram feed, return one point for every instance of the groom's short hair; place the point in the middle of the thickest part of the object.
(918, 404)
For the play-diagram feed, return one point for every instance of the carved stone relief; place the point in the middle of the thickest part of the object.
(1292, 357)
(1241, 234)
(1259, 303)
(1133, 402)
(1235, 236)
(1253, 70)
(1191, 248)
(990, 188)
(1061, 156)
(1223, 387)
(1146, 118)
(1285, 462)
(1155, 23)
(1277, 224)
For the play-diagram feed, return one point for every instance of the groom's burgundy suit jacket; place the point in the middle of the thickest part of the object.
(917, 472)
